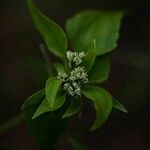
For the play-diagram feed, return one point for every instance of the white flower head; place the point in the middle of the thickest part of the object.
(75, 57)
(62, 76)
(66, 86)
(78, 58)
(77, 91)
(73, 81)
(69, 89)
(81, 54)
(79, 73)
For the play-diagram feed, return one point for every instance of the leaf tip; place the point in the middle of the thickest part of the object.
(65, 115)
(125, 110)
(33, 117)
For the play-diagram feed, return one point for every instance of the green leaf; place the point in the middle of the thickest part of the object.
(45, 107)
(54, 37)
(33, 99)
(77, 145)
(100, 70)
(102, 102)
(119, 106)
(59, 68)
(90, 56)
(59, 100)
(52, 86)
(73, 109)
(103, 26)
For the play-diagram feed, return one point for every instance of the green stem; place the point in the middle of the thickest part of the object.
(13, 122)
(66, 64)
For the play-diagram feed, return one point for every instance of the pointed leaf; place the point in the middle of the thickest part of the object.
(101, 25)
(119, 106)
(102, 102)
(33, 99)
(73, 109)
(90, 56)
(59, 68)
(54, 37)
(52, 86)
(45, 107)
(100, 70)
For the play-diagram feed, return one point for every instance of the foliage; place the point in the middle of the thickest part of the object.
(92, 34)
(99, 25)
(102, 102)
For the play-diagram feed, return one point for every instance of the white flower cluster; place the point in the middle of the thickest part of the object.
(76, 77)
(79, 74)
(62, 76)
(75, 57)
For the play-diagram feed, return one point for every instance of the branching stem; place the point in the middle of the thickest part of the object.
(12, 123)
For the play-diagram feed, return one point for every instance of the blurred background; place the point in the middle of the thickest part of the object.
(21, 70)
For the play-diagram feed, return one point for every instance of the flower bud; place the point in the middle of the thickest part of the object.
(70, 55)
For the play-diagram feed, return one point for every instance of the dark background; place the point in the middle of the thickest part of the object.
(129, 77)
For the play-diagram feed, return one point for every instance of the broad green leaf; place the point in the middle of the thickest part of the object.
(90, 56)
(59, 68)
(102, 102)
(77, 145)
(33, 99)
(45, 107)
(73, 109)
(52, 86)
(100, 70)
(54, 37)
(119, 106)
(103, 26)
